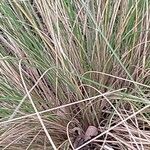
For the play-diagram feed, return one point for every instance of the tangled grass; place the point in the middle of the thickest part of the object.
(74, 74)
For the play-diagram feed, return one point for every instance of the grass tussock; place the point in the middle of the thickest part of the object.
(75, 74)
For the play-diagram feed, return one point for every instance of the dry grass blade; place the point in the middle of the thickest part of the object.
(62, 106)
(35, 109)
(113, 127)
